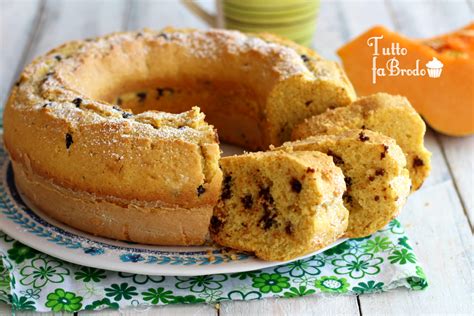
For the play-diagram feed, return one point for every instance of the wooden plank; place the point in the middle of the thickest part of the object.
(330, 32)
(18, 21)
(427, 235)
(159, 14)
(434, 217)
(426, 20)
(170, 310)
(459, 152)
(442, 245)
(309, 305)
(5, 309)
(429, 18)
(77, 19)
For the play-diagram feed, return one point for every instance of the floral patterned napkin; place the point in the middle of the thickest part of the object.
(30, 280)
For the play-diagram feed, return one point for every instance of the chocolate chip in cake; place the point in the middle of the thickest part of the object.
(363, 137)
(348, 181)
(337, 159)
(216, 225)
(379, 172)
(308, 103)
(267, 220)
(310, 170)
(119, 101)
(141, 96)
(417, 162)
(305, 58)
(226, 192)
(371, 178)
(347, 197)
(247, 201)
(289, 228)
(126, 115)
(376, 198)
(161, 92)
(200, 190)
(384, 152)
(77, 102)
(69, 140)
(265, 194)
(296, 185)
(362, 127)
(163, 35)
(58, 57)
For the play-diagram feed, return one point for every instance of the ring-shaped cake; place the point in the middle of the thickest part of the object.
(89, 148)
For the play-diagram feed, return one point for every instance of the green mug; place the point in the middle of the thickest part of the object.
(293, 19)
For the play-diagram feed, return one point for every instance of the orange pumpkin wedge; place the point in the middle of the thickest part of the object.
(445, 102)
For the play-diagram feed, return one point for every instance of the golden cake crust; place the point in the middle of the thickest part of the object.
(388, 114)
(61, 124)
(143, 222)
(280, 205)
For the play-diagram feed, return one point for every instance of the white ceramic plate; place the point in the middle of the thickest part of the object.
(33, 228)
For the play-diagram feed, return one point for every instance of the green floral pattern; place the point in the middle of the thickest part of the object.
(299, 268)
(19, 252)
(332, 284)
(87, 274)
(121, 292)
(274, 282)
(357, 266)
(402, 257)
(22, 303)
(200, 283)
(300, 291)
(36, 282)
(369, 287)
(40, 271)
(154, 296)
(63, 301)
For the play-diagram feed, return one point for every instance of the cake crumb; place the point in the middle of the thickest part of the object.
(211, 256)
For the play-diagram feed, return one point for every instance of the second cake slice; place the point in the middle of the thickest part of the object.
(375, 171)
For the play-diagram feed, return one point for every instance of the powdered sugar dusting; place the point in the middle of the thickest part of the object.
(48, 91)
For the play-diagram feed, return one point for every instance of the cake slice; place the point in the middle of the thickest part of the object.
(387, 114)
(279, 205)
(375, 173)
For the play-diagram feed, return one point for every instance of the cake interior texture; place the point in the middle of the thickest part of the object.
(375, 173)
(279, 205)
(387, 114)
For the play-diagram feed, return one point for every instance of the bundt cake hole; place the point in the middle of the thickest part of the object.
(232, 101)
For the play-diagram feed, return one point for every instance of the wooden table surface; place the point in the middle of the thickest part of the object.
(438, 218)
